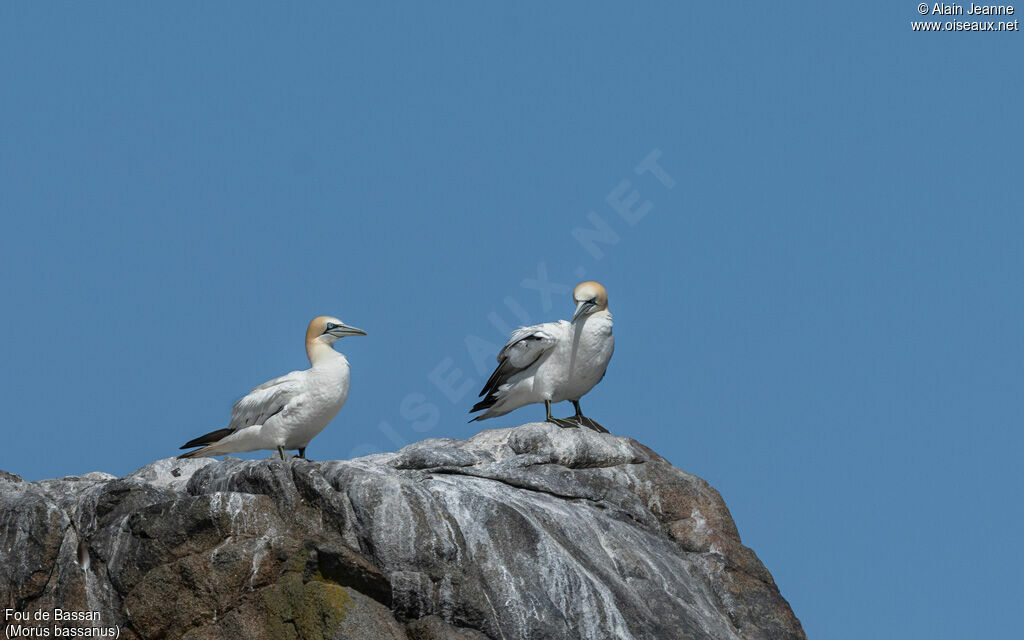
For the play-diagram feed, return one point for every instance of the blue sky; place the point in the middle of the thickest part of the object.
(822, 316)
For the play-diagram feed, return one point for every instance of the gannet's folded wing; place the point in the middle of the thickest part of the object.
(266, 400)
(527, 344)
(524, 347)
(258, 406)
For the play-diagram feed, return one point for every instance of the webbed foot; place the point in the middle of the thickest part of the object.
(584, 421)
(565, 423)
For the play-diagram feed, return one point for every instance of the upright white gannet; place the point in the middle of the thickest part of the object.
(288, 412)
(554, 361)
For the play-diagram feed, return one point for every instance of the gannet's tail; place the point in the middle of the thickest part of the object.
(210, 440)
(223, 441)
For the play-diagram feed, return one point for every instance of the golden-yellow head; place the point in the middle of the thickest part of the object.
(590, 297)
(327, 329)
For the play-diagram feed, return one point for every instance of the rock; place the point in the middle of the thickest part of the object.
(531, 532)
(434, 628)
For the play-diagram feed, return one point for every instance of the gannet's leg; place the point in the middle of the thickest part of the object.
(280, 450)
(585, 421)
(562, 422)
(302, 452)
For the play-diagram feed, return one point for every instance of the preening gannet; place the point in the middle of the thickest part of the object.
(288, 412)
(554, 361)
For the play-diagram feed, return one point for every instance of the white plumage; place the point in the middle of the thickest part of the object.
(288, 412)
(554, 361)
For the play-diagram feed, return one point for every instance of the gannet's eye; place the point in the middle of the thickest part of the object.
(593, 300)
(330, 326)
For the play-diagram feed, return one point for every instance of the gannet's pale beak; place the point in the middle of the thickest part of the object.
(343, 330)
(583, 307)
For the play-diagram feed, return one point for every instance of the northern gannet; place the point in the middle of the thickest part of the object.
(554, 361)
(288, 412)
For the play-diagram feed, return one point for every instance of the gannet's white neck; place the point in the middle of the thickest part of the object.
(600, 316)
(320, 352)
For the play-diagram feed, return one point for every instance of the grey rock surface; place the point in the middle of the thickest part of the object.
(530, 532)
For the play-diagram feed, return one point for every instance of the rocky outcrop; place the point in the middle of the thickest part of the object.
(531, 532)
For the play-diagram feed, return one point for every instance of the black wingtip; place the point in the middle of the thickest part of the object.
(206, 439)
(498, 377)
(486, 403)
